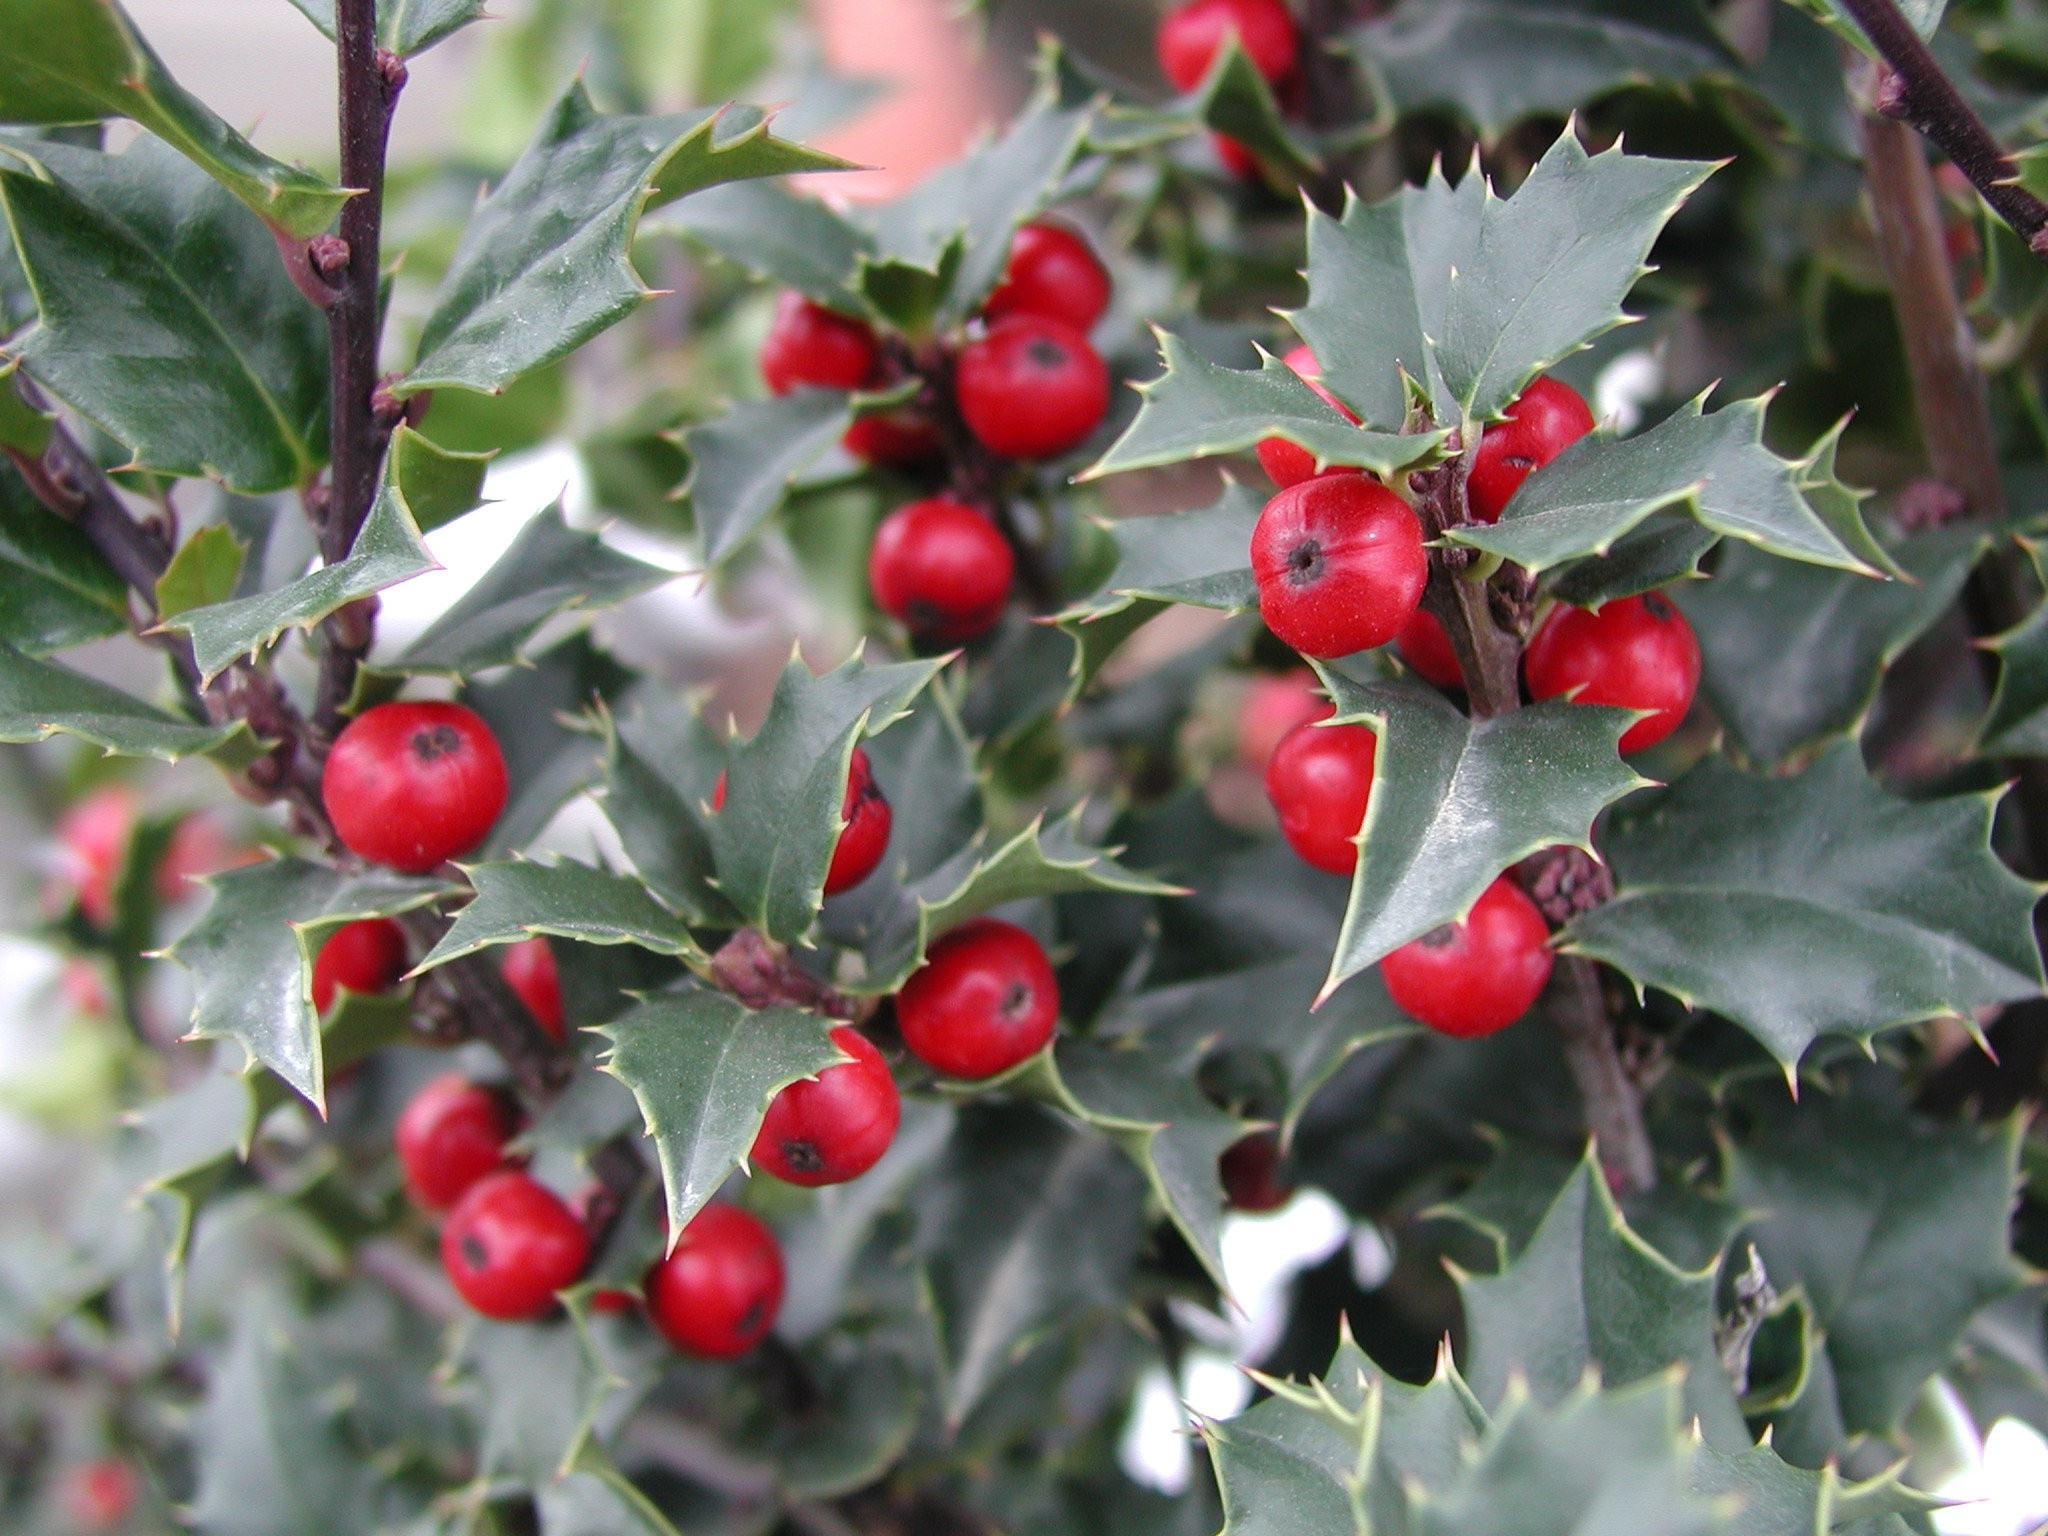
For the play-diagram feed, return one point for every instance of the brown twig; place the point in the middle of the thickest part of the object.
(472, 997)
(1614, 1109)
(620, 1168)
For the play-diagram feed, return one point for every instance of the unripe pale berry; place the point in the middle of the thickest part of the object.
(1545, 419)
(1250, 1169)
(984, 1000)
(717, 1294)
(864, 838)
(1320, 780)
(366, 957)
(1289, 463)
(1274, 705)
(530, 970)
(941, 569)
(510, 1244)
(1476, 975)
(836, 1126)
(1339, 564)
(1031, 388)
(451, 1134)
(1054, 273)
(1192, 34)
(1636, 653)
(411, 785)
(809, 344)
(1426, 646)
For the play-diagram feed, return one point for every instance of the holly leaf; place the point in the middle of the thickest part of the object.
(405, 27)
(1455, 801)
(550, 569)
(82, 61)
(1894, 1227)
(537, 713)
(1024, 1225)
(1925, 15)
(251, 956)
(1662, 551)
(387, 550)
(1234, 99)
(56, 590)
(22, 426)
(794, 241)
(1800, 906)
(206, 569)
(1469, 296)
(596, 1499)
(2017, 722)
(865, 1424)
(703, 1068)
(537, 1389)
(743, 463)
(439, 485)
(176, 1152)
(1772, 1497)
(660, 769)
(543, 265)
(1500, 61)
(519, 899)
(1199, 409)
(773, 840)
(41, 699)
(1793, 654)
(1715, 467)
(1202, 558)
(232, 380)
(1587, 1293)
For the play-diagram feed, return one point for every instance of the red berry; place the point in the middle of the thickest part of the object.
(1340, 565)
(1031, 388)
(197, 848)
(411, 785)
(865, 837)
(902, 438)
(1319, 781)
(1478, 974)
(1289, 463)
(92, 847)
(836, 1126)
(1251, 1174)
(366, 957)
(984, 1000)
(530, 971)
(717, 1294)
(610, 1302)
(1274, 705)
(451, 1134)
(1191, 35)
(810, 344)
(1636, 652)
(100, 1495)
(510, 1244)
(1426, 646)
(941, 568)
(1237, 159)
(1054, 273)
(1545, 419)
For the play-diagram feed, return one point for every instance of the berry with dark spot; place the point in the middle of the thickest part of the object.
(941, 569)
(1478, 974)
(366, 957)
(984, 1000)
(411, 785)
(718, 1291)
(1339, 564)
(451, 1134)
(833, 1127)
(1636, 652)
(1031, 388)
(1544, 420)
(1320, 780)
(510, 1244)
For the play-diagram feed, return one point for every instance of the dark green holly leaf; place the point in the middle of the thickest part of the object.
(22, 426)
(55, 589)
(1235, 100)
(1500, 61)
(1771, 1497)
(1800, 906)
(206, 569)
(1716, 467)
(251, 956)
(1662, 551)
(1025, 1224)
(774, 839)
(40, 699)
(543, 265)
(1470, 296)
(1588, 1293)
(175, 1154)
(868, 1414)
(1894, 1227)
(233, 382)
(596, 1499)
(550, 754)
(536, 1390)
(437, 484)
(81, 61)
(387, 551)
(517, 900)
(1201, 557)
(2017, 721)
(743, 463)
(778, 235)
(660, 769)
(704, 1067)
(549, 570)
(1456, 801)
(1198, 409)
(406, 27)
(1794, 654)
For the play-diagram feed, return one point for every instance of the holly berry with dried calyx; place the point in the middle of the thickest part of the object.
(1288, 463)
(1339, 564)
(1478, 974)
(1544, 420)
(942, 569)
(718, 1292)
(1320, 782)
(1634, 653)
(366, 957)
(510, 1244)
(1031, 388)
(410, 786)
(836, 1126)
(984, 1000)
(864, 839)
(452, 1133)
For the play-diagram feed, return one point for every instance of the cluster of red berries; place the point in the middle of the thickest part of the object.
(1025, 384)
(1192, 34)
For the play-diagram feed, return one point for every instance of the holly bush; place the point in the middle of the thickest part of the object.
(1587, 466)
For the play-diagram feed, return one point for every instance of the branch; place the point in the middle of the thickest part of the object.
(1614, 1110)
(619, 1168)
(1918, 92)
(473, 998)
